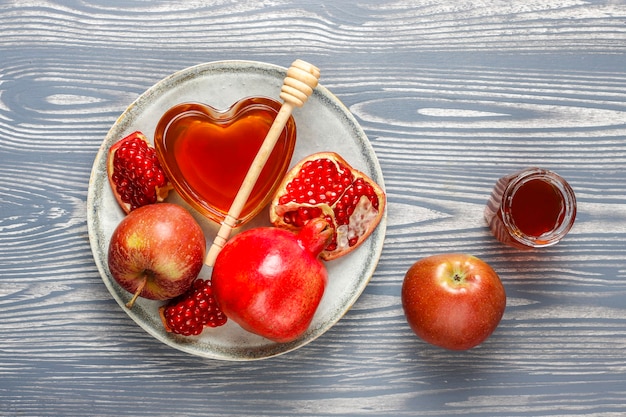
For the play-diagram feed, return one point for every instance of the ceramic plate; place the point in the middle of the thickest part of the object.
(323, 124)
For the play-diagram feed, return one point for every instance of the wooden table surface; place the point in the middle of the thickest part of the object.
(452, 95)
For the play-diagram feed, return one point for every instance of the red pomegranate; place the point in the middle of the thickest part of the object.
(325, 185)
(270, 281)
(135, 174)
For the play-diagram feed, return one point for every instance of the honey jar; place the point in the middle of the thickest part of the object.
(531, 208)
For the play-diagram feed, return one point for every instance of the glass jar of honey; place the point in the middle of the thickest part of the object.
(531, 208)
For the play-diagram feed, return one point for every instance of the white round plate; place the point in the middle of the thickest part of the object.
(323, 124)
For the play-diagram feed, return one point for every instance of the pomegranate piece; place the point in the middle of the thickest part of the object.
(135, 173)
(325, 185)
(189, 313)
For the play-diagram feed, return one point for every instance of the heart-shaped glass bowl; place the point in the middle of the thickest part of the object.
(207, 152)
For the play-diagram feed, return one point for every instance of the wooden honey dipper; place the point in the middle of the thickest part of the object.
(298, 85)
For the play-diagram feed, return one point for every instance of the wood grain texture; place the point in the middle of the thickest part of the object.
(452, 95)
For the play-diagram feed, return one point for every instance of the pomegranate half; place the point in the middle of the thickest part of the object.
(325, 185)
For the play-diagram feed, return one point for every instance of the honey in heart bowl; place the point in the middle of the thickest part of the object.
(206, 153)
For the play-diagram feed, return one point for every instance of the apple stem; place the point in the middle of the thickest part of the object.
(142, 284)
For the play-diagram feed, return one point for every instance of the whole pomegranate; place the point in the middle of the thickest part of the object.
(135, 173)
(325, 185)
(270, 280)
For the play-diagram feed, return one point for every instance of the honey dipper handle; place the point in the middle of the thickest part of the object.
(298, 85)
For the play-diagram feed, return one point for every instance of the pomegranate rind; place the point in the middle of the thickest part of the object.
(362, 222)
(164, 320)
(161, 192)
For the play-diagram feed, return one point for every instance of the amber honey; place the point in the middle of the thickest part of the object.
(207, 154)
(531, 208)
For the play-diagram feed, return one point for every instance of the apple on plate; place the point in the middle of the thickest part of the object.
(453, 300)
(156, 252)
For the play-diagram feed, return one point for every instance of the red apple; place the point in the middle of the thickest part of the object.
(156, 251)
(454, 300)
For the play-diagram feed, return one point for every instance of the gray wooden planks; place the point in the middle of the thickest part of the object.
(452, 95)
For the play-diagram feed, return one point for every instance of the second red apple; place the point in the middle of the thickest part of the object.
(454, 301)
